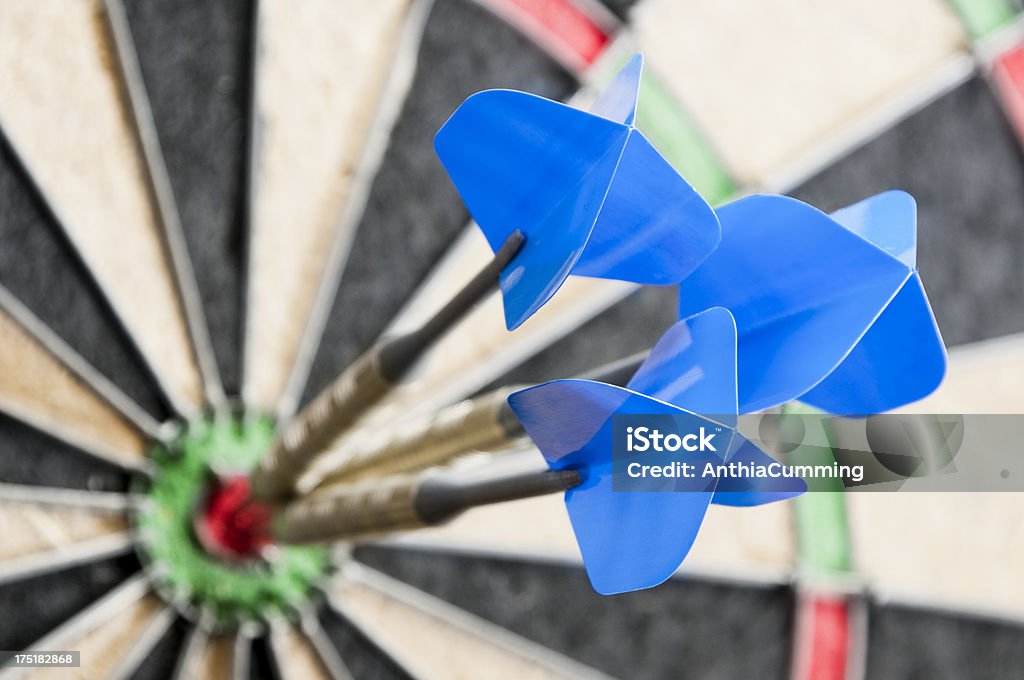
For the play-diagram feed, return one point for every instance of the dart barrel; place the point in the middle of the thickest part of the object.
(474, 425)
(331, 412)
(363, 509)
(402, 502)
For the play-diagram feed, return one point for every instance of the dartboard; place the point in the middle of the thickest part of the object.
(209, 209)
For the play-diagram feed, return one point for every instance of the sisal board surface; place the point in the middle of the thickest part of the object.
(27, 456)
(33, 380)
(432, 646)
(102, 648)
(362, 657)
(29, 528)
(766, 81)
(195, 60)
(39, 267)
(321, 72)
(693, 628)
(64, 111)
(46, 601)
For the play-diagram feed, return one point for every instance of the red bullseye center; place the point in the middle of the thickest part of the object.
(230, 523)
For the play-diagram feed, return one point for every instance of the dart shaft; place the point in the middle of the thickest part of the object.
(398, 503)
(481, 424)
(365, 383)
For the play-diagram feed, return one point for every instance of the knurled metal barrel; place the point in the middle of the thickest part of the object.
(375, 506)
(346, 399)
(362, 509)
(470, 426)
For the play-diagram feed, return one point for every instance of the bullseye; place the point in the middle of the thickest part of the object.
(230, 524)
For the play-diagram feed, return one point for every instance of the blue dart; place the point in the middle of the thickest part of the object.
(634, 535)
(630, 537)
(589, 191)
(830, 309)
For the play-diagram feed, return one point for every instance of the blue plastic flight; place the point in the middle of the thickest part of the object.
(588, 190)
(829, 310)
(636, 539)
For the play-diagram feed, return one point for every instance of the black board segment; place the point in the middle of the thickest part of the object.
(196, 60)
(916, 643)
(30, 457)
(632, 325)
(45, 602)
(159, 663)
(681, 629)
(362, 657)
(960, 160)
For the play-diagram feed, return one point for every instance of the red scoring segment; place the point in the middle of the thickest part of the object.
(823, 638)
(562, 28)
(232, 525)
(1008, 74)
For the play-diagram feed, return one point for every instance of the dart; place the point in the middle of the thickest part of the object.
(555, 191)
(591, 193)
(631, 541)
(570, 421)
(403, 502)
(830, 309)
(366, 382)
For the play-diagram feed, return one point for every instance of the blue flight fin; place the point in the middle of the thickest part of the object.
(901, 359)
(803, 288)
(618, 100)
(586, 189)
(654, 227)
(751, 491)
(888, 219)
(693, 366)
(528, 163)
(629, 540)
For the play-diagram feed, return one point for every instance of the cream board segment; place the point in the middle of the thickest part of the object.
(102, 648)
(215, 659)
(920, 545)
(299, 659)
(66, 116)
(322, 71)
(767, 80)
(431, 646)
(28, 529)
(33, 380)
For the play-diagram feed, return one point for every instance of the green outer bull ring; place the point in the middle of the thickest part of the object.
(282, 582)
